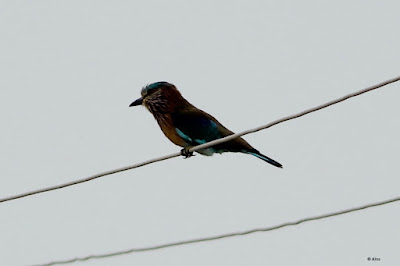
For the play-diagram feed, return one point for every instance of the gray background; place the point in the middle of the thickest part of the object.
(69, 70)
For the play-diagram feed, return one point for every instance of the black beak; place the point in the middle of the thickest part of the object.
(137, 102)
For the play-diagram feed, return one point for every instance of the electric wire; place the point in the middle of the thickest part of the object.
(202, 146)
(229, 235)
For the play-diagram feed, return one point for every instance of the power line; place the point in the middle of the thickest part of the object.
(79, 181)
(202, 146)
(290, 117)
(212, 238)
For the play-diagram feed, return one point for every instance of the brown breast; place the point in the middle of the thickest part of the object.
(169, 131)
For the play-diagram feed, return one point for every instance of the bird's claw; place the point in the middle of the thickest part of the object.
(186, 153)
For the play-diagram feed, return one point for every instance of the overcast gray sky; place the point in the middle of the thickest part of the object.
(69, 70)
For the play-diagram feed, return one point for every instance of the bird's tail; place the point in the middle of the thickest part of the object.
(256, 153)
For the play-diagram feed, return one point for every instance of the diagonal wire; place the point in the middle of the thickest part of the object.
(202, 146)
(79, 181)
(212, 238)
(290, 117)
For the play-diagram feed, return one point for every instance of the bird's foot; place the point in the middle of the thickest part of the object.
(186, 153)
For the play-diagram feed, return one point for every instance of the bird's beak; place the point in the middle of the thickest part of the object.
(137, 102)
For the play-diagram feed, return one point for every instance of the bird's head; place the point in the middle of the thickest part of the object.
(159, 97)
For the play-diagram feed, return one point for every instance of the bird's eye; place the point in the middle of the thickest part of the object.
(145, 91)
(148, 92)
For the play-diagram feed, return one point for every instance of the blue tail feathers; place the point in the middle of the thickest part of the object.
(264, 158)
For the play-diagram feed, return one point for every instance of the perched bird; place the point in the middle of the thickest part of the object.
(187, 126)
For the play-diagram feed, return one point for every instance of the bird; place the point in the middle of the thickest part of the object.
(187, 126)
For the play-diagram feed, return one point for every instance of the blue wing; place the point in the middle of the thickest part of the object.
(195, 128)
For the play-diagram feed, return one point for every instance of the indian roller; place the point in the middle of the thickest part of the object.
(187, 126)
